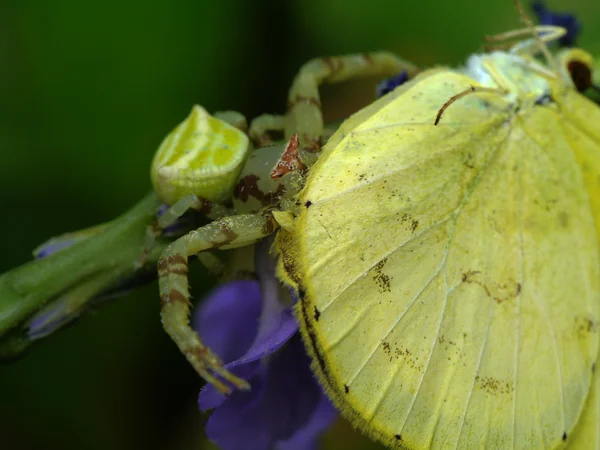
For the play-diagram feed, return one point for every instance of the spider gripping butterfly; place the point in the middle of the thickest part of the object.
(209, 161)
(443, 243)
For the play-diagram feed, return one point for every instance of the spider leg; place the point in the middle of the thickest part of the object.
(211, 210)
(261, 126)
(179, 208)
(304, 107)
(229, 232)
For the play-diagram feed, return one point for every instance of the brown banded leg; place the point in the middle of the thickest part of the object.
(304, 107)
(229, 232)
(209, 209)
(262, 127)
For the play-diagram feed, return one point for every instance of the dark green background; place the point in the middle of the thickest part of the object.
(87, 91)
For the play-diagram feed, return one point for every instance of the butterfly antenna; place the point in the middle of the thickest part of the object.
(454, 98)
(543, 47)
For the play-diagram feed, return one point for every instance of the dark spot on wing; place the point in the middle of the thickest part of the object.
(301, 293)
(467, 277)
(499, 292)
(493, 385)
(563, 219)
(317, 314)
(381, 279)
(308, 203)
(393, 351)
(564, 437)
(585, 326)
(398, 437)
(468, 161)
(411, 223)
(386, 348)
(313, 340)
(346, 388)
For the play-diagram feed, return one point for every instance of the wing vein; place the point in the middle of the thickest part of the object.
(518, 199)
(435, 342)
(455, 215)
(477, 367)
(395, 170)
(412, 302)
(399, 247)
(540, 304)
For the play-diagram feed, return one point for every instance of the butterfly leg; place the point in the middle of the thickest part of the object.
(229, 232)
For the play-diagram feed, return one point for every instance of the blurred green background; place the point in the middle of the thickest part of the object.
(87, 91)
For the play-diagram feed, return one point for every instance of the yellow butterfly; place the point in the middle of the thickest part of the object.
(449, 274)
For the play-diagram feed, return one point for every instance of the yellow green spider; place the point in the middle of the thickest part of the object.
(208, 162)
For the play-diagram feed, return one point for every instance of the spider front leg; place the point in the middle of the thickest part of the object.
(304, 106)
(229, 232)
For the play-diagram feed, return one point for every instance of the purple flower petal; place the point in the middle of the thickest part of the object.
(283, 399)
(58, 243)
(227, 320)
(230, 322)
(210, 398)
(277, 322)
(276, 328)
(388, 85)
(51, 247)
(285, 408)
(306, 438)
(567, 21)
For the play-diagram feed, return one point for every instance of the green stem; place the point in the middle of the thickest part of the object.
(26, 289)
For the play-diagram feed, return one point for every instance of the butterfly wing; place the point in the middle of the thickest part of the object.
(448, 275)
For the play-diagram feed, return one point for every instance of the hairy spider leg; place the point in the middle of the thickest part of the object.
(262, 127)
(229, 232)
(245, 229)
(304, 106)
(211, 210)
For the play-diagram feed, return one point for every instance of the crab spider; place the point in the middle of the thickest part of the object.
(209, 162)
